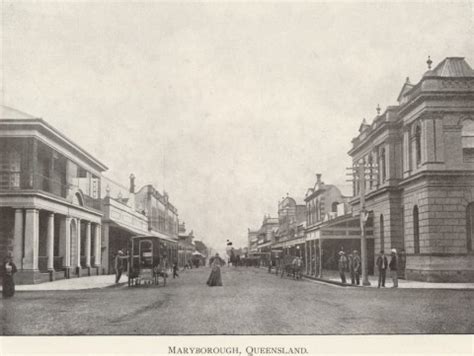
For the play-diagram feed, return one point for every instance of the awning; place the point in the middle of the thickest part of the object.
(162, 236)
(131, 229)
(134, 231)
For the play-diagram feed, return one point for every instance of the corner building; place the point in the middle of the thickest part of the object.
(419, 156)
(50, 217)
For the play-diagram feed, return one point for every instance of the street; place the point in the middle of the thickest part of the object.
(250, 302)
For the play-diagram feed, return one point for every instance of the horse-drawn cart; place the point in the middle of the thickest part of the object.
(145, 265)
(291, 266)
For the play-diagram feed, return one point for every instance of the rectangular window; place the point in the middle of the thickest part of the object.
(467, 140)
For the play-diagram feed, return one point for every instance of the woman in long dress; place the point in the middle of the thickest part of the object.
(7, 271)
(215, 279)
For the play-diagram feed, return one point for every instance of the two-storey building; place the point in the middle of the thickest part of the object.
(421, 194)
(266, 234)
(290, 216)
(50, 217)
(330, 227)
(162, 220)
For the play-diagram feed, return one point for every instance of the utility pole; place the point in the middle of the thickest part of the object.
(359, 175)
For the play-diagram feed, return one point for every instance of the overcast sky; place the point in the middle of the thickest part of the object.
(246, 102)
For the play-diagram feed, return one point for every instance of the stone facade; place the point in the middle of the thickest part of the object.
(420, 159)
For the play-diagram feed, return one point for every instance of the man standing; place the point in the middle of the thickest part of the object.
(342, 264)
(175, 269)
(351, 267)
(356, 264)
(382, 264)
(394, 268)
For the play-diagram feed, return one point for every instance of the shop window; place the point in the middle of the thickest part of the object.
(469, 226)
(416, 230)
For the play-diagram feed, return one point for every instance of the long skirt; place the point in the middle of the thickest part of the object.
(8, 286)
(215, 279)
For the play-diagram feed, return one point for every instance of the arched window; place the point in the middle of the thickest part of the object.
(416, 230)
(418, 144)
(77, 199)
(334, 207)
(382, 233)
(469, 226)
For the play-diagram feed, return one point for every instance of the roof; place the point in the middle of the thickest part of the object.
(452, 67)
(16, 118)
(405, 89)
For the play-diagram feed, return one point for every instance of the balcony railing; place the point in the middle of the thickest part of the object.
(25, 181)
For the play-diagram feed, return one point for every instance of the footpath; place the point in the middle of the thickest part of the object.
(103, 281)
(332, 277)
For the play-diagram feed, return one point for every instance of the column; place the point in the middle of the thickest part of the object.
(66, 241)
(78, 259)
(50, 242)
(316, 258)
(31, 240)
(18, 238)
(97, 243)
(320, 258)
(88, 244)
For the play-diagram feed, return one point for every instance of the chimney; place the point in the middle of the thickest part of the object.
(318, 178)
(132, 183)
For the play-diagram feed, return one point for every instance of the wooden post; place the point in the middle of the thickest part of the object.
(363, 219)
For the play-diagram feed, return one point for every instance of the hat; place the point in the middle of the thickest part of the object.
(120, 252)
(394, 250)
(355, 251)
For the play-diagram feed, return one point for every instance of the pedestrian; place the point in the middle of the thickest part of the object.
(382, 264)
(356, 266)
(299, 268)
(350, 259)
(342, 264)
(7, 271)
(175, 269)
(119, 265)
(394, 268)
(215, 279)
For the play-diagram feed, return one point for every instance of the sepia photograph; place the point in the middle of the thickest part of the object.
(236, 168)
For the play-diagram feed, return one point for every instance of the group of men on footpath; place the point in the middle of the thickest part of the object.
(353, 263)
(382, 265)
